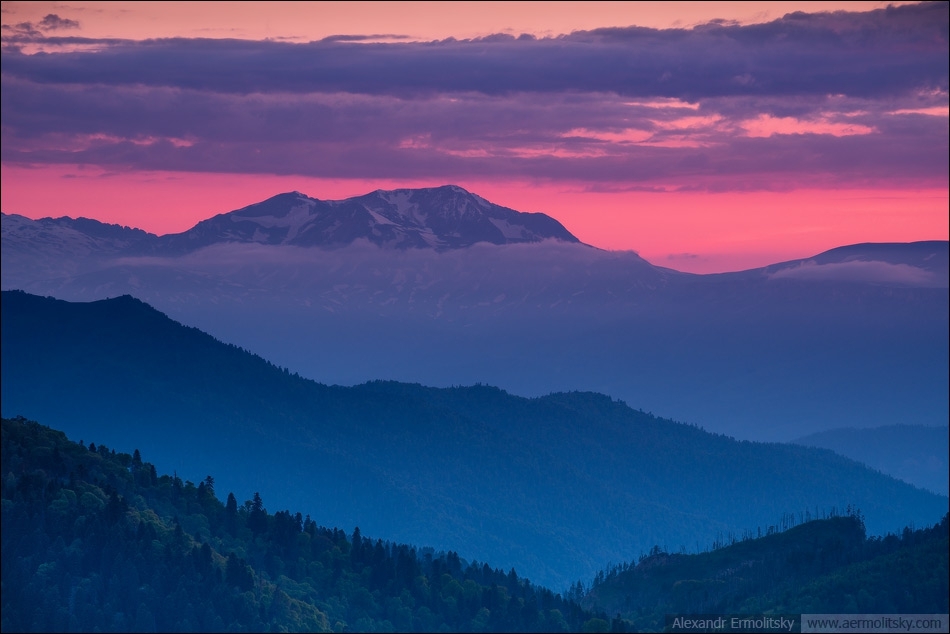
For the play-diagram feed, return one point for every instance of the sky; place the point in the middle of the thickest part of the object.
(705, 136)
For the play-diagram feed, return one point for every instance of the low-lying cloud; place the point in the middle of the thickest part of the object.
(862, 271)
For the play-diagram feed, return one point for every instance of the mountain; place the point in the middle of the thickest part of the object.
(438, 218)
(51, 248)
(857, 336)
(915, 264)
(441, 218)
(824, 566)
(912, 453)
(68, 236)
(150, 552)
(554, 486)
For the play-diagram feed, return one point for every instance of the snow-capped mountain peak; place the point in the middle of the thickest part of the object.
(442, 218)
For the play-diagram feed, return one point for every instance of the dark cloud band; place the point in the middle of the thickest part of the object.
(884, 52)
(822, 99)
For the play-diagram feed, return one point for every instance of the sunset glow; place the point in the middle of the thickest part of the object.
(704, 145)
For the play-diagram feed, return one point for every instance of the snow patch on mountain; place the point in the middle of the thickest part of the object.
(508, 230)
(380, 218)
(401, 200)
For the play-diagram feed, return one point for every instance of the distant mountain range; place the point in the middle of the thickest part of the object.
(441, 287)
(439, 218)
(556, 486)
(914, 263)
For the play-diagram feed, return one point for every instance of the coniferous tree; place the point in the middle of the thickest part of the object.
(231, 513)
(257, 519)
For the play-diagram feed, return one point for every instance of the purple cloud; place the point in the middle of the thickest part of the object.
(832, 98)
(884, 52)
(28, 31)
(52, 22)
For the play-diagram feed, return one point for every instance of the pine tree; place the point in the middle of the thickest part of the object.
(257, 520)
(230, 513)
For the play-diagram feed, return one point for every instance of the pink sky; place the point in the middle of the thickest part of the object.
(306, 21)
(728, 218)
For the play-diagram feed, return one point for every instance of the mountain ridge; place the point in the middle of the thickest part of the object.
(917, 454)
(446, 217)
(439, 218)
(514, 480)
(921, 263)
(854, 336)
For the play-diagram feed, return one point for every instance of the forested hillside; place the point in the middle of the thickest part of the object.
(95, 539)
(822, 566)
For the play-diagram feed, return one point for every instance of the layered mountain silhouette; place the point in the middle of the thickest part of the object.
(440, 287)
(556, 486)
(912, 453)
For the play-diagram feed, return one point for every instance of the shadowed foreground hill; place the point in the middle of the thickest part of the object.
(821, 567)
(95, 540)
(555, 486)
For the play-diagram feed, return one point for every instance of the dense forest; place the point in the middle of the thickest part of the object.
(819, 567)
(96, 540)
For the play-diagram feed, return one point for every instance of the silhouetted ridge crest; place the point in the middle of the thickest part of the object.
(444, 466)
